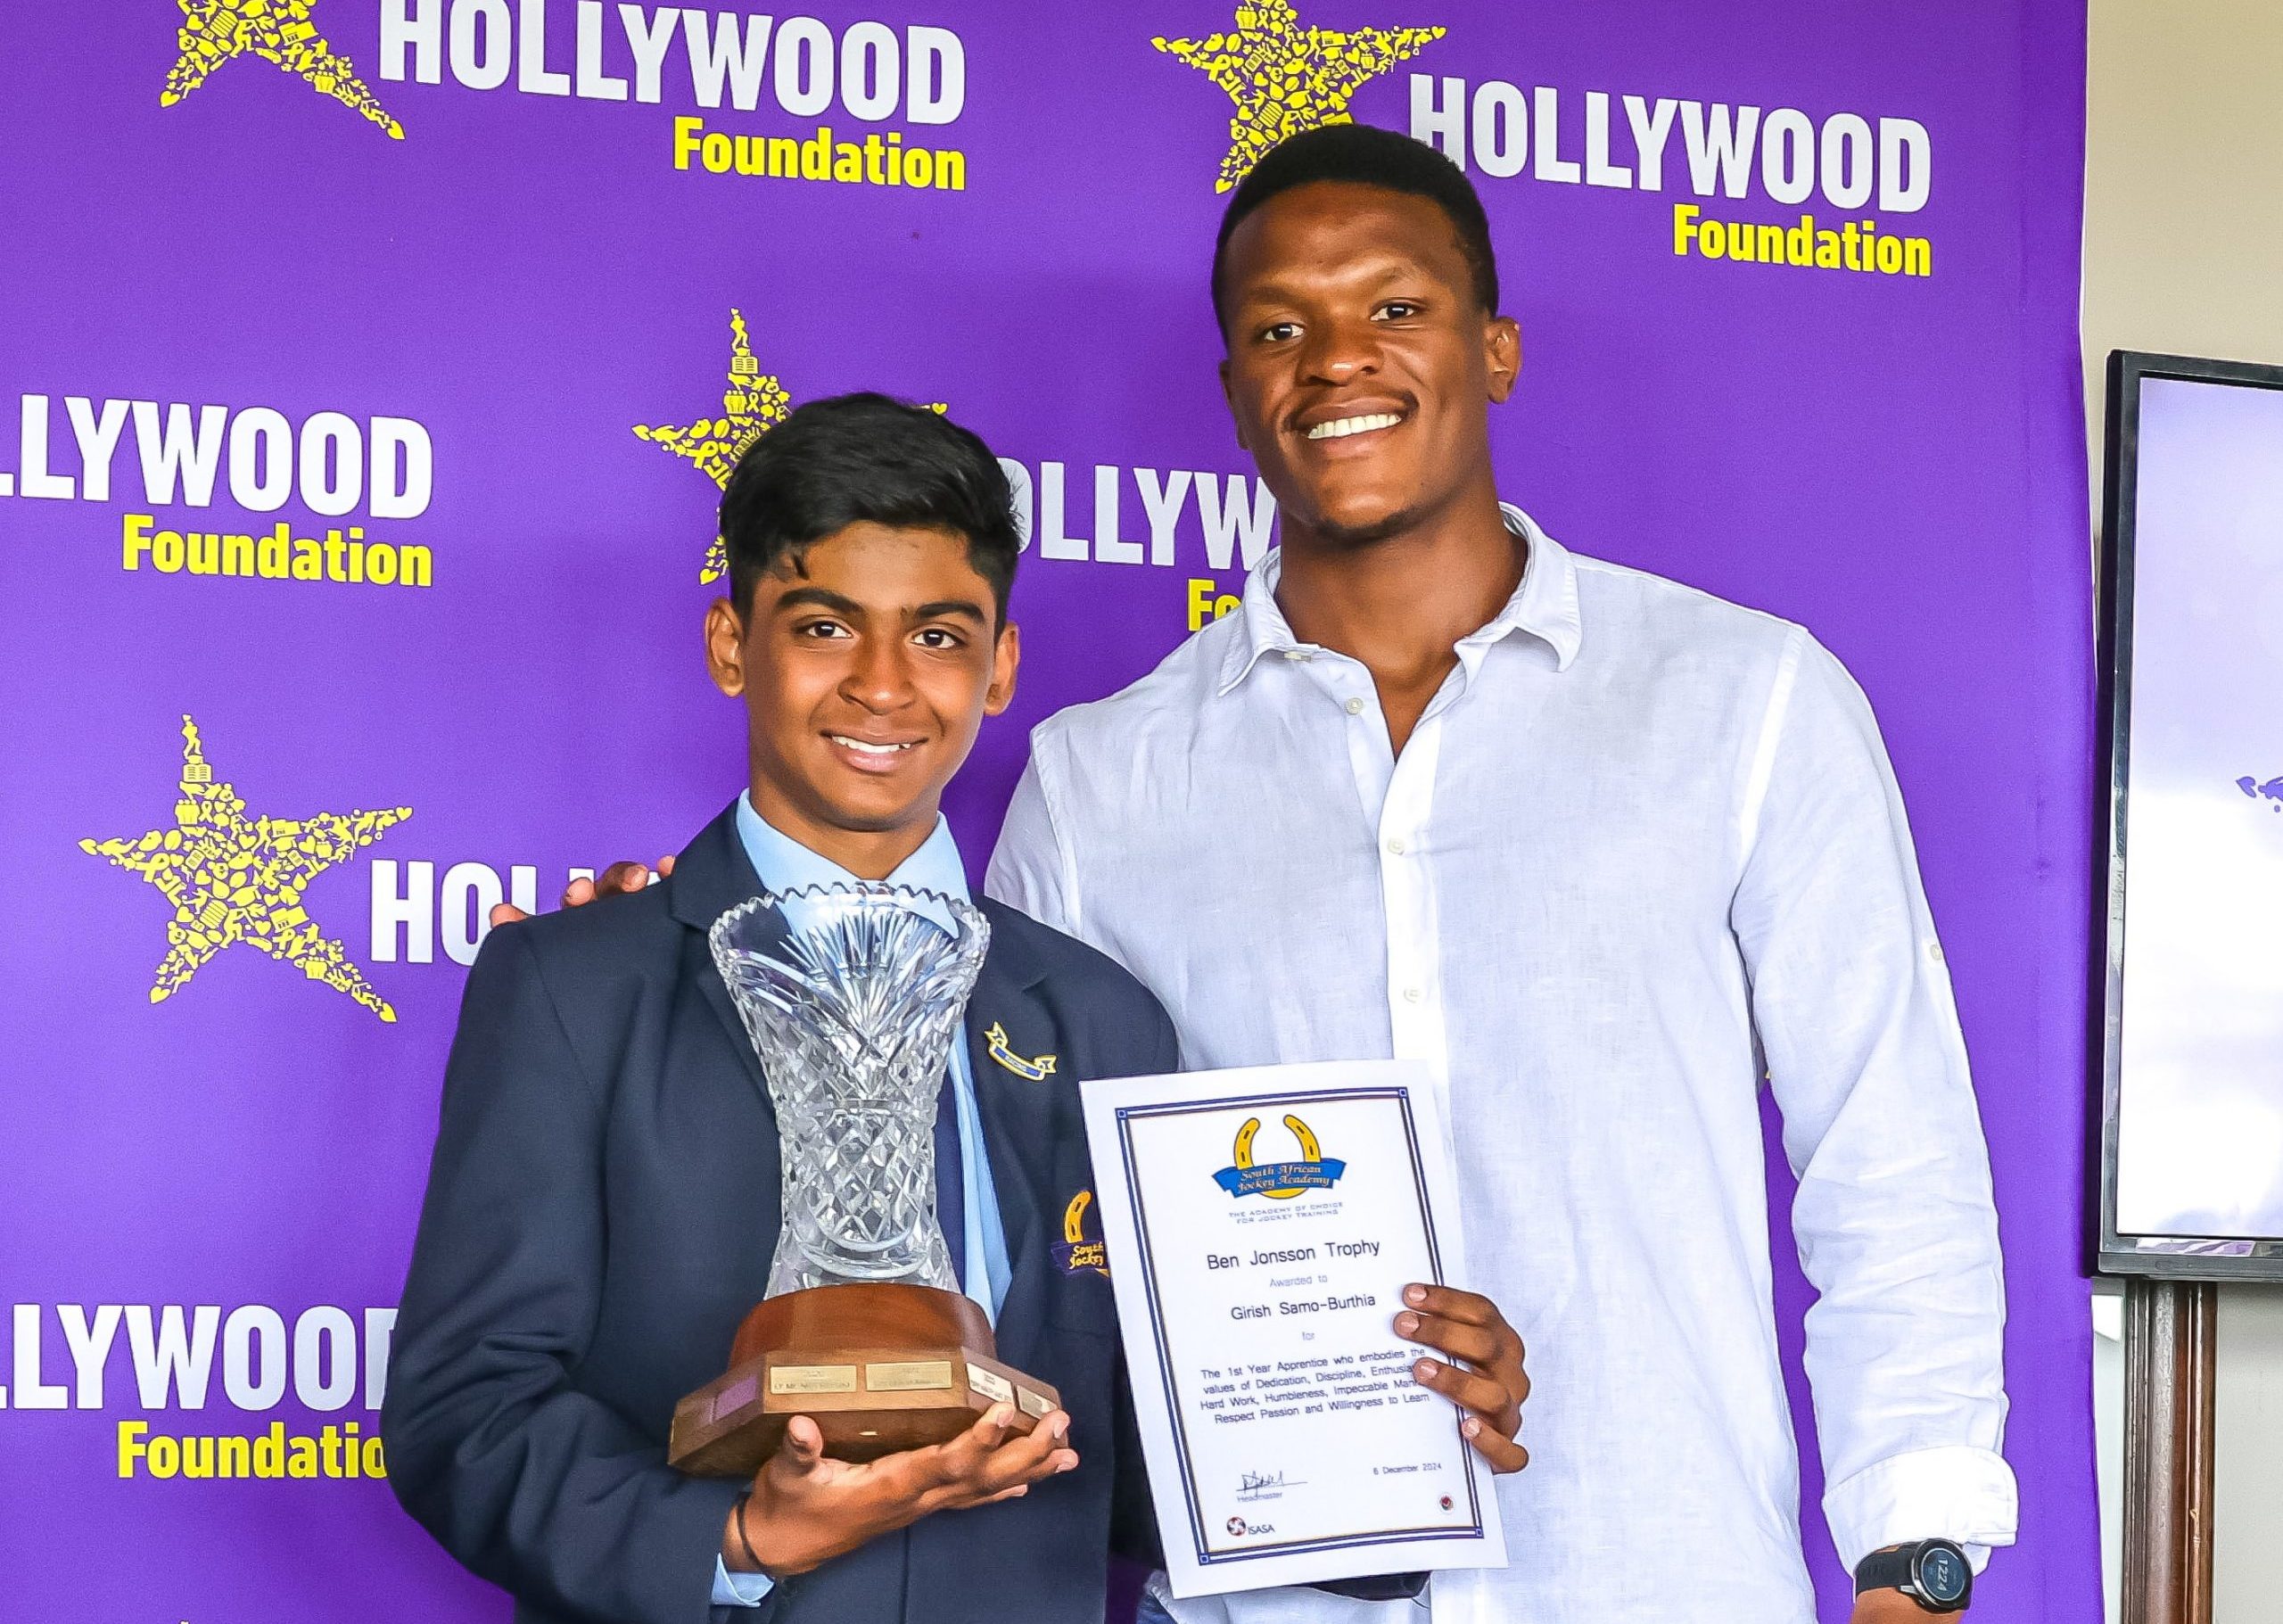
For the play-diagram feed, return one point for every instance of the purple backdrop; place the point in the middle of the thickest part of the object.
(248, 283)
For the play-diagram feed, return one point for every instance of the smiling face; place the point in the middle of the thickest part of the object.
(1361, 366)
(866, 672)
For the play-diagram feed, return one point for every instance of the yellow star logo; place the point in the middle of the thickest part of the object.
(234, 880)
(1285, 78)
(280, 31)
(752, 404)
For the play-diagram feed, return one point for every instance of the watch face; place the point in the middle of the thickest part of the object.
(1942, 1574)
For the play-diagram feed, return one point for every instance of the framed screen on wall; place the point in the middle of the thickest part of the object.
(2192, 657)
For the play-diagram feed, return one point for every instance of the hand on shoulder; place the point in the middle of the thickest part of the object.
(627, 876)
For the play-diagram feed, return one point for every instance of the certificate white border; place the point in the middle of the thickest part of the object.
(1193, 1565)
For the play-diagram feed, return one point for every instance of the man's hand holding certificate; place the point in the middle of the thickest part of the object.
(1471, 1328)
(1282, 1239)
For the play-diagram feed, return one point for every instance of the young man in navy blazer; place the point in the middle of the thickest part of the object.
(602, 1207)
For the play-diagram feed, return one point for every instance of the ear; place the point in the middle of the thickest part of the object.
(1005, 656)
(1502, 348)
(1236, 418)
(725, 646)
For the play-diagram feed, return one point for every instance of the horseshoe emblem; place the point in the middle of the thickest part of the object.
(1075, 1253)
(1310, 1151)
(1279, 1181)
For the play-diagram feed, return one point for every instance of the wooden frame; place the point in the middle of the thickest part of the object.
(2170, 1340)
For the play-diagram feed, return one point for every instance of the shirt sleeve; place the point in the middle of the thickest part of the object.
(1029, 868)
(1894, 1219)
(739, 1589)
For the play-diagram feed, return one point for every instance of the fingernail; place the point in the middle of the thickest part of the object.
(1470, 1426)
(1069, 1465)
(1423, 1369)
(1061, 1430)
(1414, 1294)
(1406, 1323)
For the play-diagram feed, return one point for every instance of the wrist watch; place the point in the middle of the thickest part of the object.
(1932, 1572)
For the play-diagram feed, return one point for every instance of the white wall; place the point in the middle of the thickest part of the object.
(2184, 253)
(2247, 1499)
(2183, 207)
(2108, 1437)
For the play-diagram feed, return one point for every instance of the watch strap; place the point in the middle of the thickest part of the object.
(1888, 1569)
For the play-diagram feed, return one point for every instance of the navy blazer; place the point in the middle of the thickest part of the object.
(601, 1211)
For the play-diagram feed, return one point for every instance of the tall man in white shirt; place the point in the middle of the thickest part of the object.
(1604, 852)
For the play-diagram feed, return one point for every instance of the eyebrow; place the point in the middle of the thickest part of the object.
(820, 597)
(825, 598)
(957, 606)
(1370, 274)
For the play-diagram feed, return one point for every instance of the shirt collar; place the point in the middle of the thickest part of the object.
(1544, 605)
(784, 864)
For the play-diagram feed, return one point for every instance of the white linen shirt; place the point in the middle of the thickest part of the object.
(1643, 848)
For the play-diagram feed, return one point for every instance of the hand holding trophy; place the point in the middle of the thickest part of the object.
(852, 995)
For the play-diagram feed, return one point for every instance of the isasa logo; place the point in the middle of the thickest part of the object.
(278, 31)
(233, 878)
(1284, 77)
(1280, 1180)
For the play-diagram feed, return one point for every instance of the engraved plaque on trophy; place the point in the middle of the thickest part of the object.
(853, 996)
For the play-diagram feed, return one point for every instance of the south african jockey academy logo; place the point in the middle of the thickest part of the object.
(1081, 1248)
(231, 878)
(1284, 77)
(278, 31)
(1280, 1180)
(755, 402)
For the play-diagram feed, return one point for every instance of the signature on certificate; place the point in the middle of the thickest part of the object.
(1252, 1480)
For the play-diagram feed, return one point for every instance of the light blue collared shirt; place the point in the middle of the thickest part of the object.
(784, 864)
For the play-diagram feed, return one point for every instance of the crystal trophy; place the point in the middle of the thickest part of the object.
(853, 996)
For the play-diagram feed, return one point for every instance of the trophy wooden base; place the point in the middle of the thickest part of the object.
(878, 1368)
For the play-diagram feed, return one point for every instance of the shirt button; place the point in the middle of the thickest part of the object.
(1396, 846)
(1354, 707)
(1412, 995)
(1295, 653)
(1934, 952)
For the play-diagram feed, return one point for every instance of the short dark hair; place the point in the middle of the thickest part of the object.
(849, 459)
(1365, 156)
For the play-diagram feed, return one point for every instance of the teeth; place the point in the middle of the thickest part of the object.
(1339, 428)
(867, 749)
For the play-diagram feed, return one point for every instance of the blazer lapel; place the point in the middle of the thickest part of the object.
(1019, 1132)
(712, 876)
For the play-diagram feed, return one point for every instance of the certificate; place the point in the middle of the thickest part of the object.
(1261, 1224)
